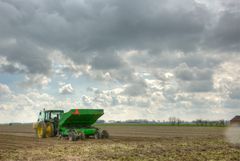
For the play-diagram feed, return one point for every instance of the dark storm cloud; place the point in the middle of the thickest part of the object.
(84, 29)
(185, 73)
(235, 93)
(107, 61)
(197, 86)
(10, 69)
(136, 89)
(225, 34)
(232, 103)
(174, 59)
(28, 55)
(194, 79)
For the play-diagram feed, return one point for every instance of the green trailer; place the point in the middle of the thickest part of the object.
(74, 124)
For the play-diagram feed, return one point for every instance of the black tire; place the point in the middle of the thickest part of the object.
(105, 134)
(97, 135)
(82, 136)
(72, 137)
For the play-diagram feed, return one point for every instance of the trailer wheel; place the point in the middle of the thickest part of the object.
(97, 135)
(82, 136)
(72, 137)
(105, 134)
(41, 130)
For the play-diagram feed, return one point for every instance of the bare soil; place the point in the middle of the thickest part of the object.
(126, 143)
(130, 131)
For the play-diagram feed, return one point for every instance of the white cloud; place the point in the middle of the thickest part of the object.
(226, 83)
(25, 107)
(4, 89)
(87, 101)
(66, 89)
(38, 80)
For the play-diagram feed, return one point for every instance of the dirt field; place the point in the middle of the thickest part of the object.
(127, 143)
(130, 131)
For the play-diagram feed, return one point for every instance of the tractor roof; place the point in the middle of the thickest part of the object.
(54, 111)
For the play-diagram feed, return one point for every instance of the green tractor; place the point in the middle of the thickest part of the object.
(74, 124)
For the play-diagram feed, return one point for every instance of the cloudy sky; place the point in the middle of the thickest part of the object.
(135, 59)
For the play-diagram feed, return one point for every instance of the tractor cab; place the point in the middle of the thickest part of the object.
(50, 115)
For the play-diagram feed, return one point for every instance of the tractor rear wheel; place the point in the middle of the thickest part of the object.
(49, 129)
(41, 130)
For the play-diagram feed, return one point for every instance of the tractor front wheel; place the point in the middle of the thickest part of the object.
(41, 130)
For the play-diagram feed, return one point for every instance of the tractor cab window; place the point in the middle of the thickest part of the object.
(52, 115)
(56, 115)
(48, 116)
(41, 116)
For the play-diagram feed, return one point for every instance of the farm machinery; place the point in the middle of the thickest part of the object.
(74, 124)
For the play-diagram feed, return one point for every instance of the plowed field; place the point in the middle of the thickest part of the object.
(17, 142)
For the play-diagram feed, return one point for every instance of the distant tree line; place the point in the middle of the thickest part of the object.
(173, 121)
(201, 122)
(137, 121)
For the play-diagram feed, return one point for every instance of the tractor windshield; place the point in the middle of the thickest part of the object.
(55, 115)
(50, 115)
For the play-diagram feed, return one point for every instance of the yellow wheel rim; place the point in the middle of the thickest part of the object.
(40, 132)
(49, 130)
